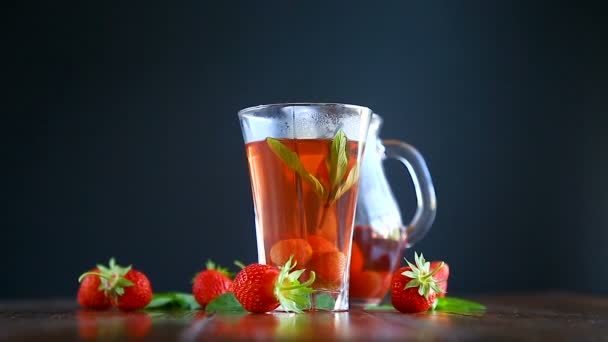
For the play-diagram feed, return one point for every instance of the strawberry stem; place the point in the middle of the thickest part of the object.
(82, 276)
(113, 279)
(422, 277)
(306, 284)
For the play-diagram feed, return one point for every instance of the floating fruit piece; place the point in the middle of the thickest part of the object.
(284, 249)
(320, 244)
(329, 268)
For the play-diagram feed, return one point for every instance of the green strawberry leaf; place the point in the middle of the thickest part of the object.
(459, 306)
(293, 295)
(292, 161)
(226, 302)
(173, 300)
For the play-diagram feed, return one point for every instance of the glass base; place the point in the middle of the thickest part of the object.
(327, 300)
(363, 302)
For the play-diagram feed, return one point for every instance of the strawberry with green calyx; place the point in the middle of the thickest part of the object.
(91, 294)
(126, 288)
(413, 288)
(210, 283)
(262, 288)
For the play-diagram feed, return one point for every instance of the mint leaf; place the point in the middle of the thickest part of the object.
(186, 301)
(226, 302)
(323, 301)
(459, 306)
(159, 302)
(292, 161)
(351, 179)
(446, 304)
(375, 307)
(173, 300)
(338, 160)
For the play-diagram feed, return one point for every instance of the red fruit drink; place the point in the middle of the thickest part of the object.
(293, 219)
(374, 259)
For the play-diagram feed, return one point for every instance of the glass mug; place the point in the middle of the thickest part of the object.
(379, 235)
(304, 161)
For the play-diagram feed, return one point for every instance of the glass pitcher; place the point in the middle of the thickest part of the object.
(380, 235)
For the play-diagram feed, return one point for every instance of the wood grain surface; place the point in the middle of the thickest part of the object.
(535, 317)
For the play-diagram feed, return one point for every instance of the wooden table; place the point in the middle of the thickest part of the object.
(551, 317)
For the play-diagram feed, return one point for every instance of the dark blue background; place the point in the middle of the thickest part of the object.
(120, 135)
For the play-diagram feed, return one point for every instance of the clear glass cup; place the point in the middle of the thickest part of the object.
(304, 161)
(380, 236)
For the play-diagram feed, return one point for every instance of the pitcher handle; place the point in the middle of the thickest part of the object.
(425, 192)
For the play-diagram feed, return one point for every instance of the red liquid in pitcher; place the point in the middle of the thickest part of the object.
(292, 219)
(373, 260)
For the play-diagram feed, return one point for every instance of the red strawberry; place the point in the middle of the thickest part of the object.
(210, 283)
(262, 288)
(136, 296)
(91, 294)
(413, 288)
(124, 287)
(441, 276)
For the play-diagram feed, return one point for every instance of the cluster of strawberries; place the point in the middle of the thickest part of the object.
(258, 288)
(114, 286)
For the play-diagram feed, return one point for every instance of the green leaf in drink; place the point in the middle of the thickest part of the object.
(351, 179)
(337, 164)
(292, 161)
(338, 160)
(324, 301)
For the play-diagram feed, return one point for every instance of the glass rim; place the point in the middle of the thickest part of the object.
(246, 111)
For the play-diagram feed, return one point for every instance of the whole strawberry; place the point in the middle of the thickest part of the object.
(91, 294)
(413, 288)
(441, 276)
(124, 287)
(210, 283)
(262, 288)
